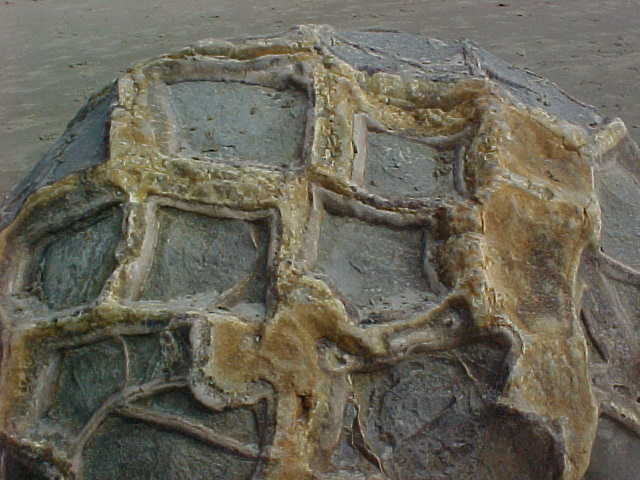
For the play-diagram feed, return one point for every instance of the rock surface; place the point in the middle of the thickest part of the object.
(325, 255)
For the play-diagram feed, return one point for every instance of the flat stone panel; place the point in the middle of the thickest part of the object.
(397, 166)
(619, 194)
(75, 266)
(88, 375)
(377, 268)
(436, 414)
(237, 423)
(615, 454)
(134, 450)
(158, 355)
(361, 59)
(196, 253)
(408, 51)
(239, 122)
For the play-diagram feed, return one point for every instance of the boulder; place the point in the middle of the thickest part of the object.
(325, 255)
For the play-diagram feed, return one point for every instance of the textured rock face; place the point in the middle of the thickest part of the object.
(330, 256)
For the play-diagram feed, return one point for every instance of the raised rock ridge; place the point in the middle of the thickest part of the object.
(325, 255)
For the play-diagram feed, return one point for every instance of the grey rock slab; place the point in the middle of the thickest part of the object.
(398, 167)
(237, 122)
(158, 454)
(197, 253)
(376, 267)
(87, 376)
(436, 413)
(616, 453)
(76, 264)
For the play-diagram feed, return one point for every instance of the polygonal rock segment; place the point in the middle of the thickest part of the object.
(611, 317)
(164, 354)
(133, 390)
(397, 166)
(237, 122)
(615, 454)
(377, 268)
(619, 194)
(75, 265)
(348, 453)
(436, 413)
(83, 145)
(398, 51)
(530, 88)
(87, 376)
(514, 446)
(237, 423)
(125, 448)
(196, 253)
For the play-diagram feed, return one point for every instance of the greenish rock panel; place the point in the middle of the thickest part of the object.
(240, 122)
(75, 265)
(237, 423)
(196, 253)
(437, 413)
(130, 449)
(88, 375)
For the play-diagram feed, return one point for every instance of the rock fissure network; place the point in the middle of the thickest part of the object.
(323, 255)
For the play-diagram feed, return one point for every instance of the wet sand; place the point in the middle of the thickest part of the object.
(55, 53)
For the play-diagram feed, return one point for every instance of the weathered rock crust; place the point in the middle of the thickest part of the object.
(510, 239)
